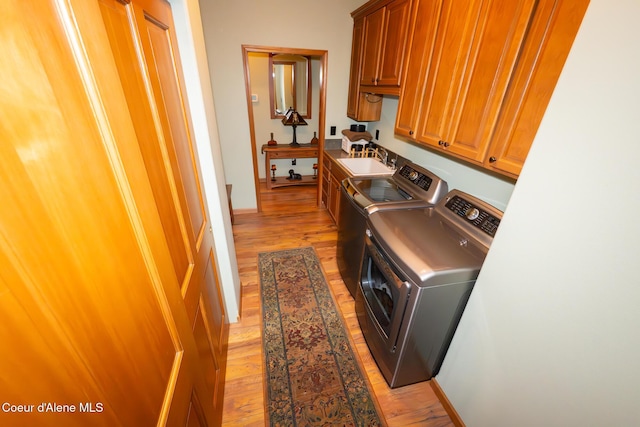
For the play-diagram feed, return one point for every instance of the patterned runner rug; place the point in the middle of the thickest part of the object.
(312, 373)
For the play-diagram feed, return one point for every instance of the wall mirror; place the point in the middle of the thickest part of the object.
(289, 84)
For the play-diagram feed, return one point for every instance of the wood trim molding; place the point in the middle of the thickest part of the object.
(446, 404)
(321, 55)
(244, 211)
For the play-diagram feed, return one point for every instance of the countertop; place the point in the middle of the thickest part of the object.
(333, 150)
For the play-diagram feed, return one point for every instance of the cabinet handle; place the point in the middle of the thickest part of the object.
(441, 142)
(373, 80)
(410, 132)
(492, 159)
(446, 144)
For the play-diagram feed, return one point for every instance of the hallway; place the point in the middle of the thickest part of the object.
(291, 219)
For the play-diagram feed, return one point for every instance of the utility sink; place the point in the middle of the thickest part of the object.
(361, 166)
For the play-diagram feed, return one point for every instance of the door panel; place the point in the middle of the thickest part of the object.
(151, 27)
(83, 296)
(215, 304)
(195, 417)
(163, 68)
(159, 156)
(107, 224)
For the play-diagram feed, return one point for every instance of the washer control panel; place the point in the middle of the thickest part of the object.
(474, 215)
(415, 177)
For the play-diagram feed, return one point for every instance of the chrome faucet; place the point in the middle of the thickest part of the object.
(383, 154)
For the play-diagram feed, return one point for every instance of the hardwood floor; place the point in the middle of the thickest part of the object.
(291, 219)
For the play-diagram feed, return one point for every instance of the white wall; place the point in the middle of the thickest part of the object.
(307, 24)
(550, 336)
(188, 25)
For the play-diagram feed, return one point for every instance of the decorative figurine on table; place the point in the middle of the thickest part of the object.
(273, 171)
(293, 175)
(272, 141)
(315, 170)
(314, 140)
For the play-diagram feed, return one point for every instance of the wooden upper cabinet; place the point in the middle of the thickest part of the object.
(361, 106)
(397, 22)
(372, 46)
(480, 75)
(550, 37)
(354, 72)
(475, 52)
(421, 43)
(385, 38)
(380, 35)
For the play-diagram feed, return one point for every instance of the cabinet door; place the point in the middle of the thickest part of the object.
(420, 53)
(476, 51)
(334, 198)
(450, 56)
(396, 29)
(546, 48)
(142, 38)
(372, 46)
(326, 180)
(354, 74)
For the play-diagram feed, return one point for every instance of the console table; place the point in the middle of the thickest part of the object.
(286, 151)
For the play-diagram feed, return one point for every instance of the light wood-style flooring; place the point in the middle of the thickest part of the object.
(291, 219)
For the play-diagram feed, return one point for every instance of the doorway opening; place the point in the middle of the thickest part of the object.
(258, 86)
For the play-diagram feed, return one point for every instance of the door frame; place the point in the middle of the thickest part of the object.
(322, 90)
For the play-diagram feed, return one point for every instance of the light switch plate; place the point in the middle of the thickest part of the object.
(254, 97)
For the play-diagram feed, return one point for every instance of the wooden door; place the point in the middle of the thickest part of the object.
(97, 315)
(145, 49)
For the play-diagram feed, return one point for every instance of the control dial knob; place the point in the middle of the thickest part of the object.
(472, 213)
(413, 175)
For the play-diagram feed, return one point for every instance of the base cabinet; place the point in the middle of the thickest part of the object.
(332, 177)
